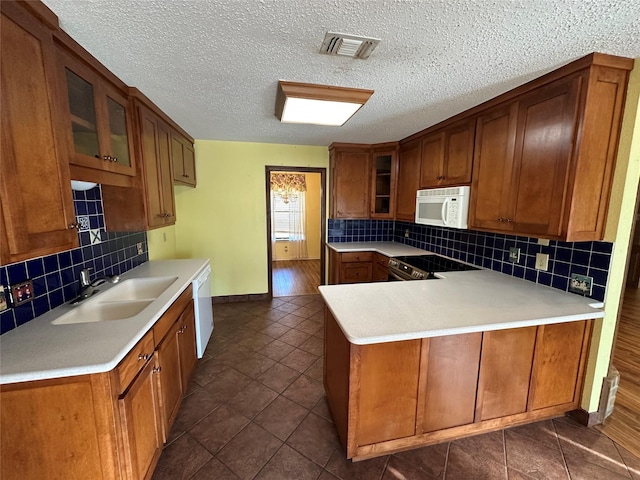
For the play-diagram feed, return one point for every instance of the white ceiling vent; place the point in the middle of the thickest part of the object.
(348, 45)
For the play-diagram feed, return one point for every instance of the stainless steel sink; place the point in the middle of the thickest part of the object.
(120, 302)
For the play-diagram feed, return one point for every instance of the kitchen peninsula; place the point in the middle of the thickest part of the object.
(409, 364)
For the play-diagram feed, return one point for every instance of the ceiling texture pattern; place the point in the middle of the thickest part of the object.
(213, 65)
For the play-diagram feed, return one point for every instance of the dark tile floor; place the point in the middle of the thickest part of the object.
(256, 409)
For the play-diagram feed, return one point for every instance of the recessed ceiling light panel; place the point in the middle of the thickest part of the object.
(318, 104)
(346, 45)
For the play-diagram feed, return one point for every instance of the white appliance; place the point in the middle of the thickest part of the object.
(443, 207)
(203, 309)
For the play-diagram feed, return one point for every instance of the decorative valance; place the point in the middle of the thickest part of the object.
(288, 185)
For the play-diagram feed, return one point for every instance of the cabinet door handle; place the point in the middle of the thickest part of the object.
(508, 220)
(75, 225)
(156, 369)
(143, 356)
(106, 158)
(500, 219)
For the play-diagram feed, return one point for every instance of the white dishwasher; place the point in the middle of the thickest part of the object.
(203, 309)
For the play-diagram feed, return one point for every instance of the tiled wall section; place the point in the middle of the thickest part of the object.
(360, 230)
(55, 277)
(490, 250)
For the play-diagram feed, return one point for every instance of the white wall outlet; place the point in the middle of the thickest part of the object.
(514, 254)
(581, 284)
(542, 261)
(543, 241)
(406, 233)
(139, 248)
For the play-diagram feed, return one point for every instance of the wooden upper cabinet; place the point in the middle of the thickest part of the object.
(384, 171)
(408, 180)
(155, 147)
(36, 211)
(97, 118)
(350, 179)
(493, 168)
(544, 160)
(547, 122)
(184, 163)
(447, 155)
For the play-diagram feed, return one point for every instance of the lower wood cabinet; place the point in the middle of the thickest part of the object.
(139, 409)
(350, 267)
(388, 397)
(108, 425)
(380, 268)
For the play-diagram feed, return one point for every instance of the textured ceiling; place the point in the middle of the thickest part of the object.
(213, 65)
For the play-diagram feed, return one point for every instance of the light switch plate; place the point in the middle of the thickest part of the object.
(514, 254)
(543, 241)
(581, 284)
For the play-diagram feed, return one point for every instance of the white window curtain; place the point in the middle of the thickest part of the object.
(288, 214)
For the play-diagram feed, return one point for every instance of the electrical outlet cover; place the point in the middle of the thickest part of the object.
(542, 261)
(581, 284)
(514, 254)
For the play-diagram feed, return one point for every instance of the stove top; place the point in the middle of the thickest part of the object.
(424, 267)
(435, 263)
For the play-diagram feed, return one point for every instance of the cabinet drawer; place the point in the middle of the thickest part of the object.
(355, 272)
(356, 257)
(163, 325)
(129, 367)
(381, 260)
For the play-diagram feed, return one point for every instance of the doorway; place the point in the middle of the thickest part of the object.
(624, 423)
(296, 219)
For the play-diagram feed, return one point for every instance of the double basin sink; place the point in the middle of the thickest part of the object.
(123, 300)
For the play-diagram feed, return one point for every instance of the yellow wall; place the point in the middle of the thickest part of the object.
(224, 218)
(162, 243)
(619, 224)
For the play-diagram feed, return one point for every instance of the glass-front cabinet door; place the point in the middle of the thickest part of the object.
(383, 187)
(98, 120)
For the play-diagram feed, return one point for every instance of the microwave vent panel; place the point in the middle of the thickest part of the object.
(439, 192)
(346, 45)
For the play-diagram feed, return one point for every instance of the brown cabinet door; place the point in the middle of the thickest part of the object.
(350, 181)
(388, 382)
(408, 180)
(383, 184)
(155, 145)
(458, 153)
(505, 372)
(432, 161)
(37, 206)
(449, 384)
(360, 272)
(493, 169)
(97, 119)
(187, 339)
(184, 168)
(169, 378)
(166, 173)
(557, 365)
(547, 120)
(141, 427)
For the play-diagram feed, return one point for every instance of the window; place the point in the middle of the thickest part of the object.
(286, 217)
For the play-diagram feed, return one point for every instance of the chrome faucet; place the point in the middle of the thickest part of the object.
(88, 288)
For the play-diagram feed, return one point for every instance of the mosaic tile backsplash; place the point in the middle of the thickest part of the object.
(55, 277)
(490, 250)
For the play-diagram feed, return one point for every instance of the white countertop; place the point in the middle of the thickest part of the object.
(40, 350)
(390, 249)
(459, 302)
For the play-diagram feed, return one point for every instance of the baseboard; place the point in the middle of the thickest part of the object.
(588, 419)
(252, 297)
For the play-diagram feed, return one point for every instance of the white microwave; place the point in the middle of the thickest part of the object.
(443, 207)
